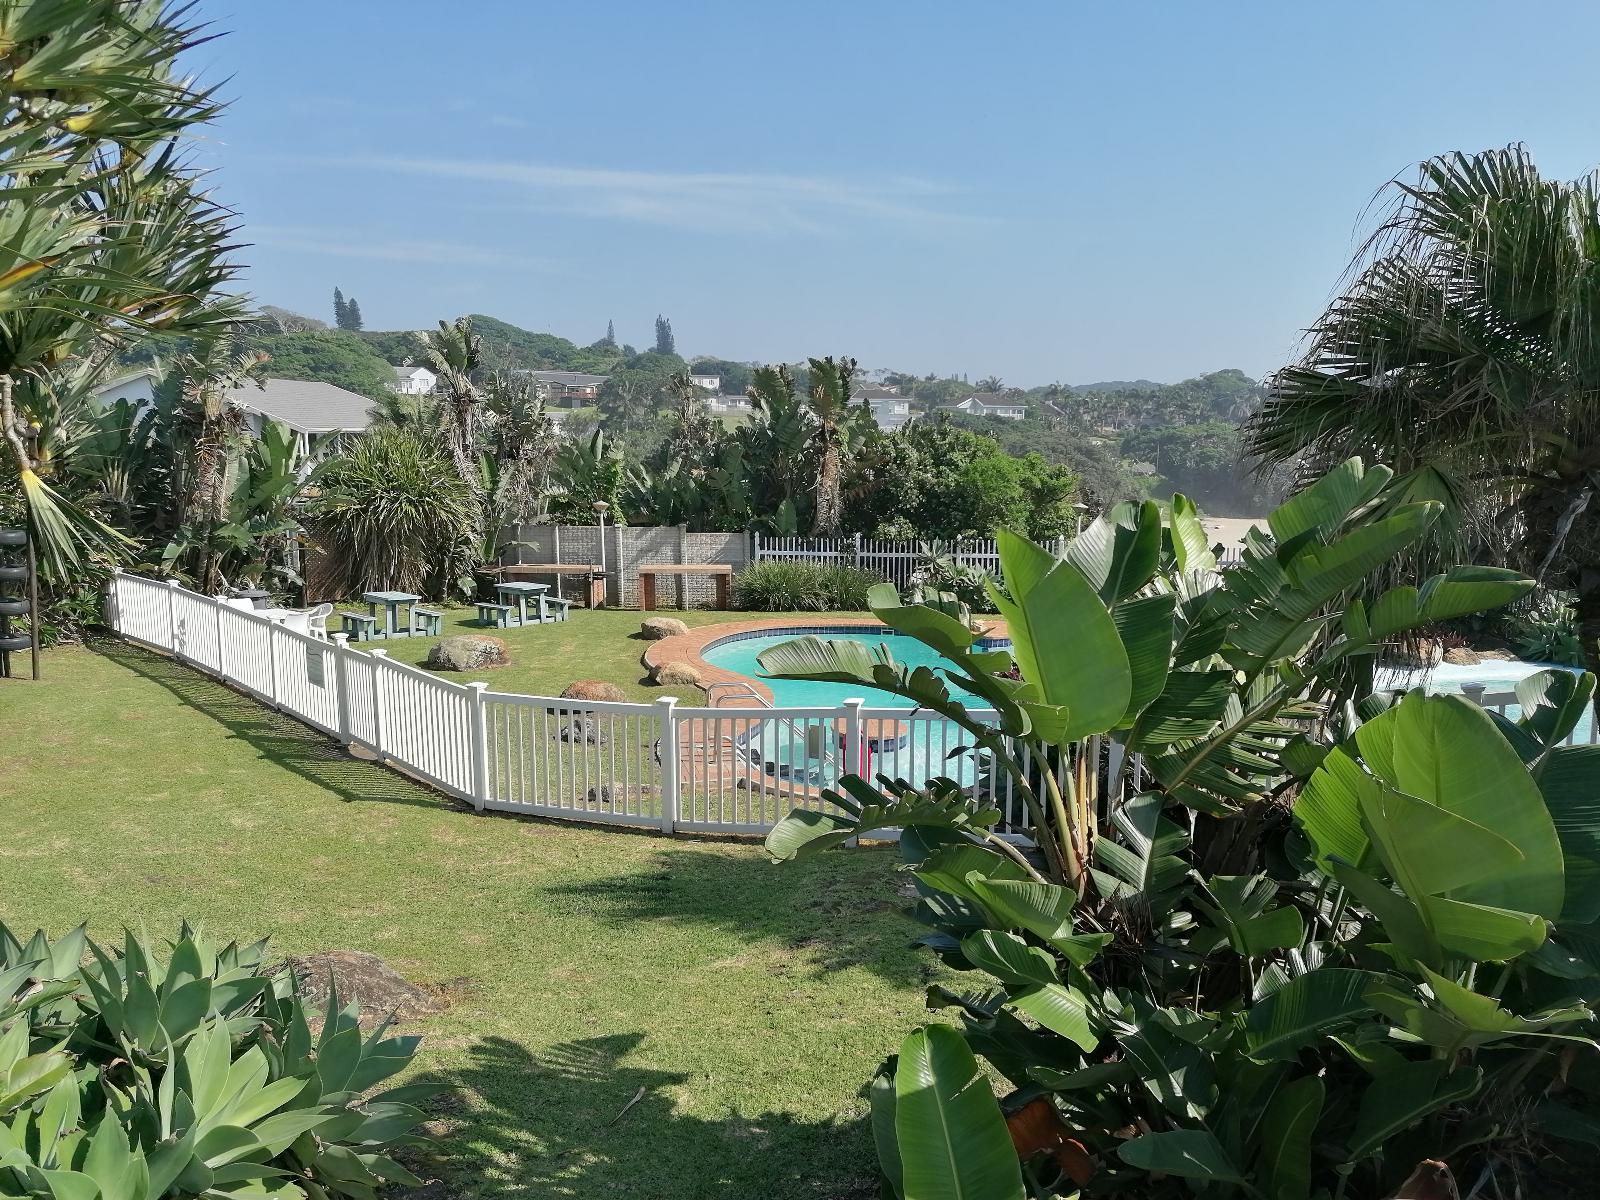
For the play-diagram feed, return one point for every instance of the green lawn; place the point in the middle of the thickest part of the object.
(749, 1002)
(591, 644)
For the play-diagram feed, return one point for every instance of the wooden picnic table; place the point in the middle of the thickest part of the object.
(648, 572)
(596, 577)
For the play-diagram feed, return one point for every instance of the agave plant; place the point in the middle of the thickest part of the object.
(126, 1077)
(1332, 937)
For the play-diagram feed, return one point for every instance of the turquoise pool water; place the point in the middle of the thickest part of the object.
(740, 655)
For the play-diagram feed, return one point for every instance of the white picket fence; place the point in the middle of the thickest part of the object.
(663, 765)
(894, 560)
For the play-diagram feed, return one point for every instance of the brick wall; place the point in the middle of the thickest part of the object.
(626, 548)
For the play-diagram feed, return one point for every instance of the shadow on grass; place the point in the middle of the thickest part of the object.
(835, 911)
(279, 738)
(579, 1120)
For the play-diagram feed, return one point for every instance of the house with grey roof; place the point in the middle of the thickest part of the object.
(414, 381)
(989, 404)
(311, 409)
(573, 389)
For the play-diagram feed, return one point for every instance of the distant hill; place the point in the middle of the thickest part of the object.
(508, 347)
(1117, 385)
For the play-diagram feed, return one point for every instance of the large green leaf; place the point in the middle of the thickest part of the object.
(1190, 1153)
(1431, 851)
(1553, 702)
(1060, 1009)
(1141, 863)
(1403, 1095)
(1066, 642)
(1328, 809)
(1447, 751)
(881, 1097)
(1145, 627)
(1326, 503)
(1303, 1009)
(951, 1134)
(1458, 592)
(1240, 906)
(1119, 552)
(1286, 1131)
(1190, 544)
(1569, 781)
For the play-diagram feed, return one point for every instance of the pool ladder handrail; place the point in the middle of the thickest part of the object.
(738, 687)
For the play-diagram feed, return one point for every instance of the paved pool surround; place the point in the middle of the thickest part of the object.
(690, 647)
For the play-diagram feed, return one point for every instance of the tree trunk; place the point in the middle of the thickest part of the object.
(1588, 609)
(828, 506)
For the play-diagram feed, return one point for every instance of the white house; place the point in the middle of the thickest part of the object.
(989, 404)
(710, 383)
(137, 387)
(414, 381)
(890, 412)
(728, 404)
(310, 409)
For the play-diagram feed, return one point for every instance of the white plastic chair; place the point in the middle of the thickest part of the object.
(317, 620)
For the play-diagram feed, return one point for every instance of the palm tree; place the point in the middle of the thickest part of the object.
(523, 443)
(106, 234)
(451, 352)
(1465, 352)
(207, 375)
(833, 423)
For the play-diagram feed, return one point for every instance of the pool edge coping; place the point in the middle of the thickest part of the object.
(688, 648)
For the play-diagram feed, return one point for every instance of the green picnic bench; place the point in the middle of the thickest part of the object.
(553, 608)
(428, 622)
(360, 626)
(494, 614)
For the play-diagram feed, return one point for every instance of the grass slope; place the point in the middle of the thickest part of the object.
(748, 1002)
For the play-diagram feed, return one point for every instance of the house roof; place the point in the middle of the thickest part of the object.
(995, 400)
(408, 372)
(569, 378)
(310, 407)
(117, 381)
(879, 393)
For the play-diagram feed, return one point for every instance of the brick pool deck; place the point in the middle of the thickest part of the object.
(688, 648)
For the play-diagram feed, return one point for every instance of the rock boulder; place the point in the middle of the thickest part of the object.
(675, 674)
(592, 689)
(653, 629)
(467, 652)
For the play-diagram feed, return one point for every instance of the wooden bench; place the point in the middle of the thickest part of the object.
(554, 608)
(426, 621)
(647, 580)
(494, 614)
(360, 626)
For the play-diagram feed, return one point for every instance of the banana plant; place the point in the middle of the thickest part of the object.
(1332, 938)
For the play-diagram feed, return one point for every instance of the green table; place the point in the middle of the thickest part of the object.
(521, 592)
(391, 602)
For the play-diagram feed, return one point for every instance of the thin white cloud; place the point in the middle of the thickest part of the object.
(344, 243)
(707, 201)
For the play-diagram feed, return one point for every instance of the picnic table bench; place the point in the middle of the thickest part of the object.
(722, 572)
(594, 575)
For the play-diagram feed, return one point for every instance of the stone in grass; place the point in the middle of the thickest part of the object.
(653, 629)
(592, 689)
(583, 729)
(467, 652)
(365, 978)
(675, 674)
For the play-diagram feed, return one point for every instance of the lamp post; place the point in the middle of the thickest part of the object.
(600, 507)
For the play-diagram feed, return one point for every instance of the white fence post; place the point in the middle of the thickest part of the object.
(112, 609)
(222, 650)
(480, 747)
(858, 551)
(341, 684)
(380, 659)
(667, 716)
(852, 706)
(172, 618)
(272, 660)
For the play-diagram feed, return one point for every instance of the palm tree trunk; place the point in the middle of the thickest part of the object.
(828, 506)
(1588, 609)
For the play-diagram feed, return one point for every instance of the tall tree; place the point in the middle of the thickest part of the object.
(665, 342)
(339, 317)
(451, 352)
(113, 235)
(611, 334)
(352, 314)
(829, 403)
(1466, 353)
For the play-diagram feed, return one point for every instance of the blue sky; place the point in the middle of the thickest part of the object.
(1044, 191)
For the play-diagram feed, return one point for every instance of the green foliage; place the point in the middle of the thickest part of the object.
(392, 513)
(1547, 632)
(1286, 1007)
(940, 572)
(125, 1077)
(775, 586)
(341, 359)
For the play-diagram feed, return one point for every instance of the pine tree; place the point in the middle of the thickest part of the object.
(665, 344)
(352, 313)
(611, 333)
(338, 309)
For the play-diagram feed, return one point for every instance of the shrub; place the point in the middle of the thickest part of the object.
(1547, 632)
(942, 572)
(199, 1075)
(1327, 936)
(774, 586)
